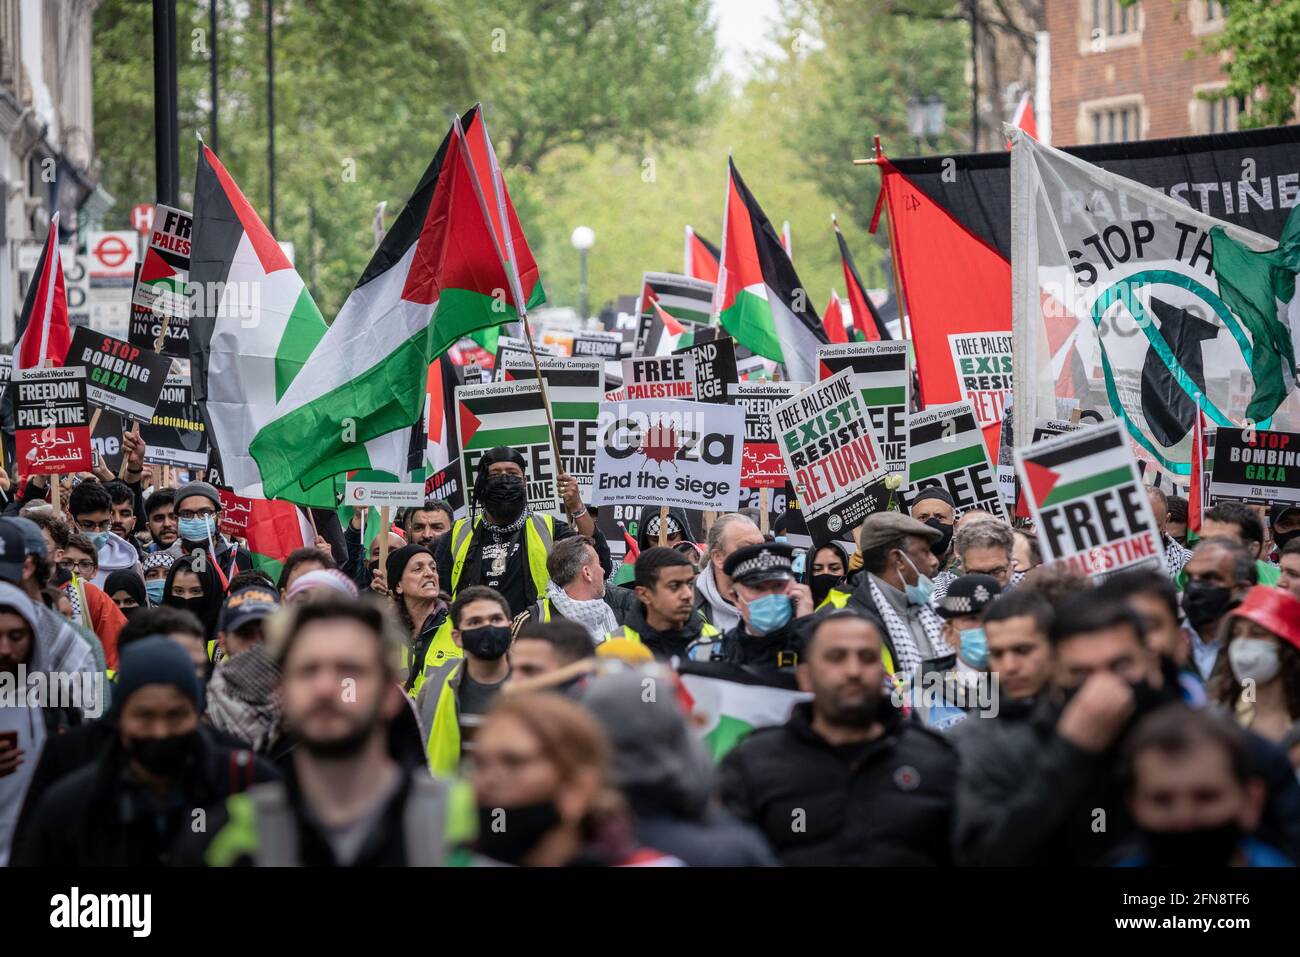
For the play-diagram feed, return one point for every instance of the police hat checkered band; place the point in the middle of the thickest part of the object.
(957, 604)
(762, 562)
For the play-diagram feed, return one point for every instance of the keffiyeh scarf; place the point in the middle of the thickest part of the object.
(907, 657)
(594, 615)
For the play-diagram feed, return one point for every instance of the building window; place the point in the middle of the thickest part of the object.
(1223, 115)
(1211, 10)
(1117, 124)
(1112, 19)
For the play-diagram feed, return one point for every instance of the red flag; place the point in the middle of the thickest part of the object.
(701, 257)
(833, 320)
(870, 327)
(43, 332)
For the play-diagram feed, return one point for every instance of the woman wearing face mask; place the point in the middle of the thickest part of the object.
(1261, 652)
(829, 566)
(421, 608)
(127, 590)
(543, 782)
(156, 566)
(193, 584)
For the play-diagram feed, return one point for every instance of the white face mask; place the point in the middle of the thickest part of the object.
(1254, 659)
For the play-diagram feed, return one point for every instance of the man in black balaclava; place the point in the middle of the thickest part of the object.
(505, 545)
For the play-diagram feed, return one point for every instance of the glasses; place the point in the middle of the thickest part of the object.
(86, 526)
(196, 513)
(85, 568)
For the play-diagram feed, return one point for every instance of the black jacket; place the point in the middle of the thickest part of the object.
(884, 803)
(99, 817)
(777, 650)
(715, 840)
(663, 644)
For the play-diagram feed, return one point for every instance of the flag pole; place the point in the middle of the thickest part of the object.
(663, 525)
(507, 259)
(904, 320)
(383, 543)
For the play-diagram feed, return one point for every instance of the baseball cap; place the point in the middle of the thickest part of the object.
(248, 604)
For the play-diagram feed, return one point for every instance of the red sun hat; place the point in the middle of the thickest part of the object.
(1274, 609)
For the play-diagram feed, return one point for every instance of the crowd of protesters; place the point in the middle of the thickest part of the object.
(479, 690)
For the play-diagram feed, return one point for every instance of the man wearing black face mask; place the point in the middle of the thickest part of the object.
(934, 507)
(1048, 790)
(456, 693)
(1218, 575)
(1284, 527)
(1195, 795)
(504, 547)
(131, 806)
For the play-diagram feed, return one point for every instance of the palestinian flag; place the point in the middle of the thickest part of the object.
(867, 322)
(761, 301)
(685, 299)
(42, 337)
(574, 386)
(1260, 289)
(442, 447)
(665, 333)
(833, 320)
(1078, 469)
(431, 282)
(701, 258)
(731, 709)
(255, 325)
(505, 226)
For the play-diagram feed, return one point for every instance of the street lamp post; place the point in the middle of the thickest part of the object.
(925, 120)
(583, 239)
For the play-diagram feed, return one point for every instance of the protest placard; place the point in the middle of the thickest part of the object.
(52, 421)
(1255, 467)
(602, 345)
(1089, 507)
(445, 484)
(762, 466)
(946, 449)
(575, 387)
(120, 377)
(882, 372)
(106, 441)
(830, 454)
(161, 293)
(669, 452)
(659, 377)
(983, 364)
(508, 414)
(512, 349)
(176, 434)
(715, 368)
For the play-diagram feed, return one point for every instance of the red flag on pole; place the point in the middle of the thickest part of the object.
(1195, 495)
(833, 320)
(43, 332)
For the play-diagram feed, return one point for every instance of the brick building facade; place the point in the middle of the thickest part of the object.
(1125, 73)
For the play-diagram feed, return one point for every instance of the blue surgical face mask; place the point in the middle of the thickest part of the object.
(769, 613)
(195, 529)
(975, 647)
(99, 539)
(155, 590)
(918, 594)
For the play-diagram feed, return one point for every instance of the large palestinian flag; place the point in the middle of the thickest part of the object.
(439, 275)
(254, 327)
(271, 529)
(761, 301)
(867, 323)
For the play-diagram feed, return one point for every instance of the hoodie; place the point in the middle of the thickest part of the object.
(663, 644)
(721, 613)
(650, 514)
(115, 555)
(667, 776)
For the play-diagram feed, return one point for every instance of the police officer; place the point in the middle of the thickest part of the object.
(772, 608)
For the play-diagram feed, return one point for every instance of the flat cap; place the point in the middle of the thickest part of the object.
(883, 527)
